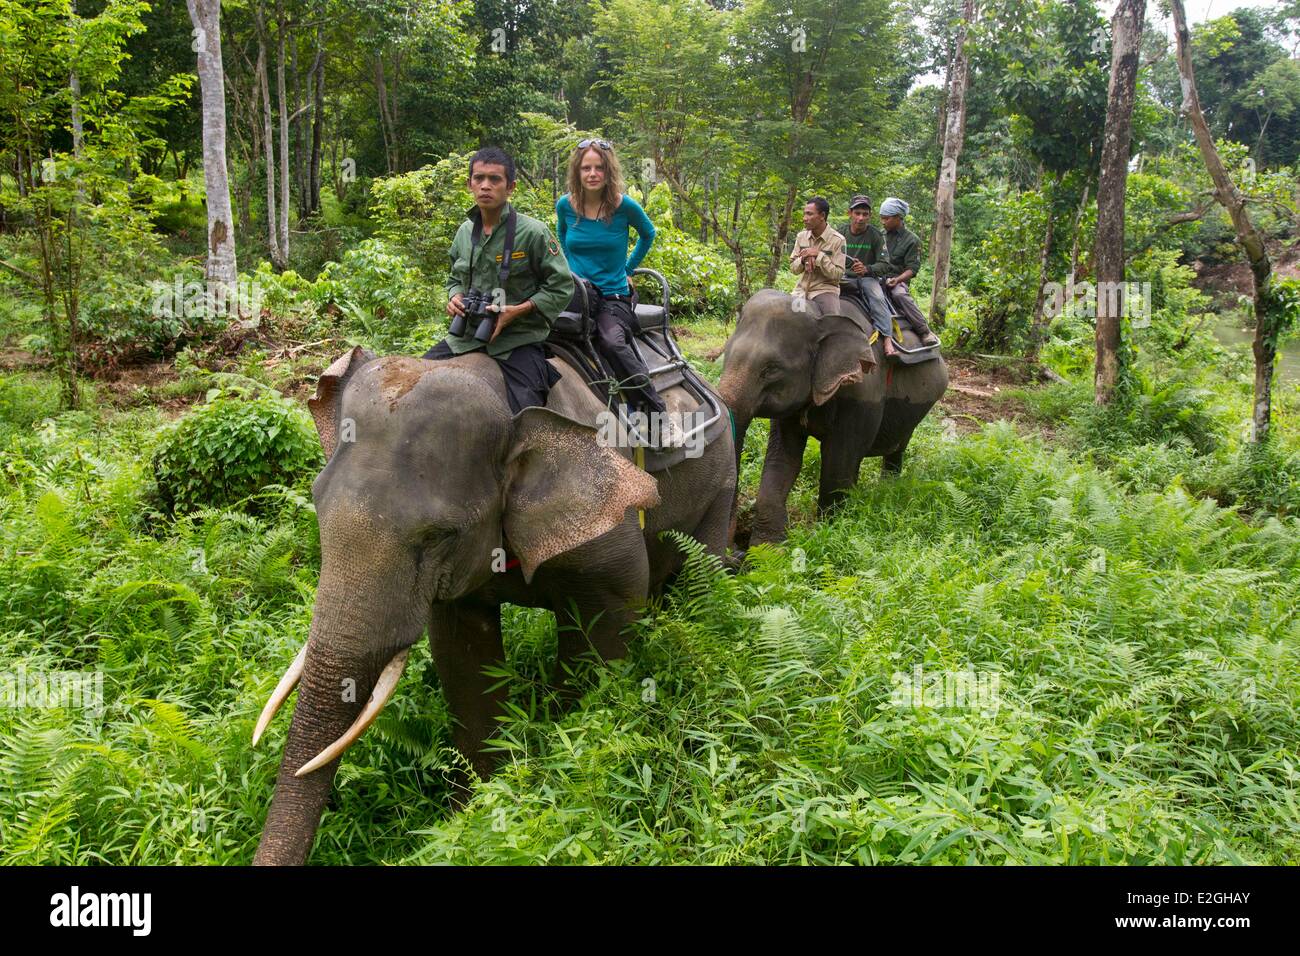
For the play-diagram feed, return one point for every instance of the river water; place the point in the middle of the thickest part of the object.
(1232, 334)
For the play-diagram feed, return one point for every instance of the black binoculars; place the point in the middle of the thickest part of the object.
(475, 303)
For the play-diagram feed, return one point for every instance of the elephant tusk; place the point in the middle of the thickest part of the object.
(384, 688)
(281, 693)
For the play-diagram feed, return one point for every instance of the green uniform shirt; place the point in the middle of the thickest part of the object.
(902, 252)
(538, 271)
(866, 247)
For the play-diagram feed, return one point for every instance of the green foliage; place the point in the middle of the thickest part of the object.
(1145, 706)
(701, 279)
(1152, 413)
(89, 202)
(1003, 271)
(127, 321)
(230, 448)
(25, 400)
(1283, 302)
(380, 294)
(419, 212)
(1052, 73)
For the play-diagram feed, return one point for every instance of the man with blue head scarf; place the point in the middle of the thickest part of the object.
(898, 263)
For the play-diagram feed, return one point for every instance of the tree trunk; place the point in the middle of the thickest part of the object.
(1074, 247)
(268, 143)
(1267, 309)
(953, 135)
(284, 134)
(317, 118)
(778, 240)
(386, 124)
(1108, 255)
(222, 270)
(1038, 327)
(938, 136)
(300, 154)
(74, 86)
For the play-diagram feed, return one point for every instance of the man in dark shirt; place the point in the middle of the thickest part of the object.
(863, 244)
(898, 263)
(527, 292)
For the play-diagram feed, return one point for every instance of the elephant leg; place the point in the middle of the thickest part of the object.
(841, 461)
(587, 633)
(714, 529)
(892, 464)
(599, 596)
(465, 637)
(785, 446)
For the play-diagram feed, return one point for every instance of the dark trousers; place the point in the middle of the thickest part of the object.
(911, 311)
(870, 290)
(528, 375)
(613, 339)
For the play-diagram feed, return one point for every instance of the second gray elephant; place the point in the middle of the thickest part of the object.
(820, 376)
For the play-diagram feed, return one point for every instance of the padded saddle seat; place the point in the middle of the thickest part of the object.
(570, 340)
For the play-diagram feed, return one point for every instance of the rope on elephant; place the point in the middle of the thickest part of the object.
(640, 463)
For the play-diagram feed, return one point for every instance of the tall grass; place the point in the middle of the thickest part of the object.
(1144, 645)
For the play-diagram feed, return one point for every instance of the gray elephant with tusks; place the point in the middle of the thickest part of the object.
(820, 376)
(430, 482)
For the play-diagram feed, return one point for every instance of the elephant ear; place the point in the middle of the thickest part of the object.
(844, 355)
(324, 406)
(564, 488)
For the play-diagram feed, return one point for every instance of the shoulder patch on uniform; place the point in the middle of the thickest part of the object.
(552, 246)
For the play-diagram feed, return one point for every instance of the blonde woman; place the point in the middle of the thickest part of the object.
(594, 223)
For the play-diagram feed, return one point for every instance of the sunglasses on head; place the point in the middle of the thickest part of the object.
(603, 144)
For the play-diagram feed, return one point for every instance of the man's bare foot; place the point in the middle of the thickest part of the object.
(889, 347)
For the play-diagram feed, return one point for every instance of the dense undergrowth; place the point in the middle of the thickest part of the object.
(1121, 678)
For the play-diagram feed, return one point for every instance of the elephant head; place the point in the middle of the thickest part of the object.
(780, 360)
(427, 474)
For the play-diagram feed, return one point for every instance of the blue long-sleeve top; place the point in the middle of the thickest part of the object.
(597, 251)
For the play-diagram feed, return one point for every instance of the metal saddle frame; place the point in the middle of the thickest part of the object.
(654, 345)
(900, 322)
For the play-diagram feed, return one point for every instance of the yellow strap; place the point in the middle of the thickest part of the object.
(640, 463)
(875, 334)
(898, 332)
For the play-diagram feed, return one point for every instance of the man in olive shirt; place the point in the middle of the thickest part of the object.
(899, 262)
(863, 244)
(537, 283)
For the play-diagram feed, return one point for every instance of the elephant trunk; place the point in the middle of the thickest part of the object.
(354, 644)
(742, 410)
